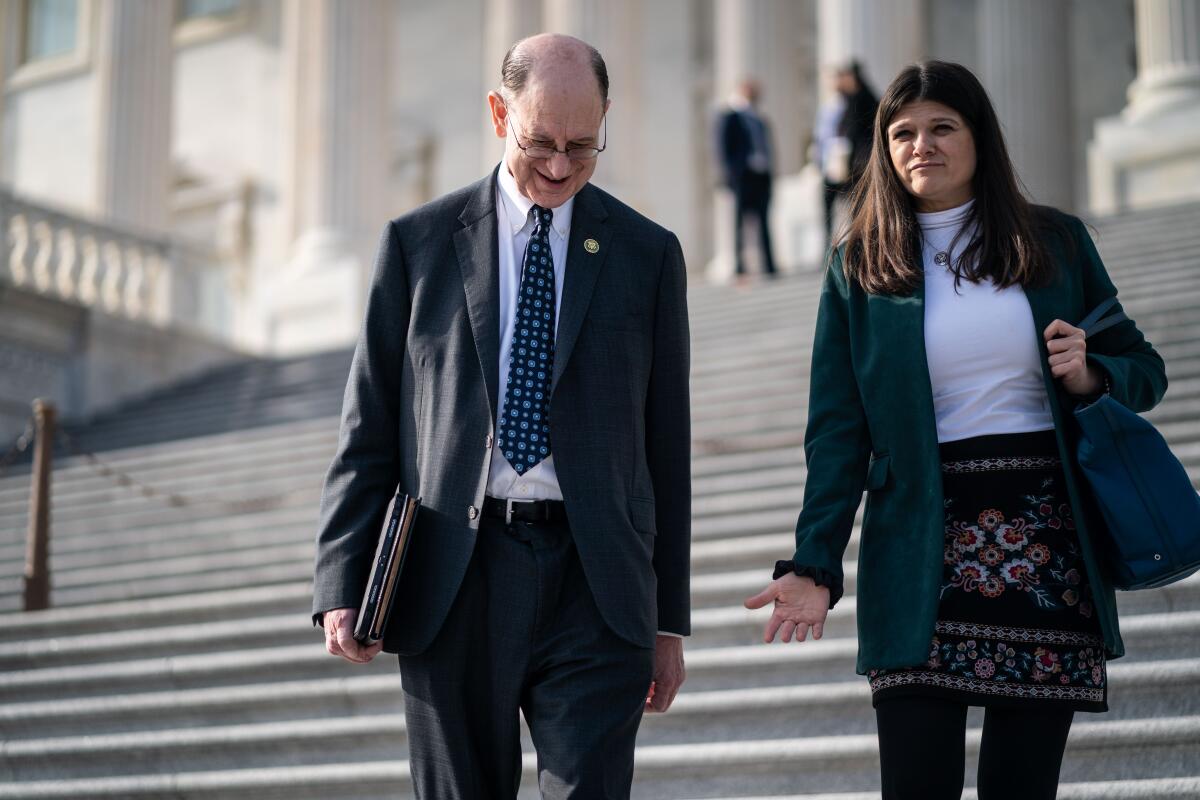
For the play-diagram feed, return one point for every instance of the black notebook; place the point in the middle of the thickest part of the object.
(393, 545)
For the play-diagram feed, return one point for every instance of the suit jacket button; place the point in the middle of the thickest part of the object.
(487, 443)
(472, 512)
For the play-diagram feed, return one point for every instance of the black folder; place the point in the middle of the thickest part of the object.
(393, 545)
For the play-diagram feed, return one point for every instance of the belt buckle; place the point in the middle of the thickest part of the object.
(508, 509)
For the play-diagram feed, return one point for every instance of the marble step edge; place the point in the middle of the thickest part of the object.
(1144, 789)
(201, 536)
(711, 592)
(774, 517)
(268, 660)
(359, 693)
(126, 560)
(193, 458)
(143, 614)
(653, 761)
(152, 556)
(74, 507)
(709, 382)
(290, 733)
(213, 446)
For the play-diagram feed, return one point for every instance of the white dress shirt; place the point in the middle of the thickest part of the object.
(514, 227)
(981, 344)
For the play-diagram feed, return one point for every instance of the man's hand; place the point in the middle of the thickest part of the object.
(669, 673)
(799, 604)
(339, 636)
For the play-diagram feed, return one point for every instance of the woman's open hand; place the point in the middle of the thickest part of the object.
(799, 605)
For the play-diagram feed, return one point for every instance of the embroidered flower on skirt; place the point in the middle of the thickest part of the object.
(1016, 621)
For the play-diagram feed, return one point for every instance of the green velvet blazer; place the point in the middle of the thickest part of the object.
(871, 426)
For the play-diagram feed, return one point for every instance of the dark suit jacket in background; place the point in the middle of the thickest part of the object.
(421, 400)
(736, 146)
(857, 125)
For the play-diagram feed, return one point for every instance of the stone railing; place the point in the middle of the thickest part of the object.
(125, 273)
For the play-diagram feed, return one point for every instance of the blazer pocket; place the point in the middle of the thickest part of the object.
(641, 513)
(877, 472)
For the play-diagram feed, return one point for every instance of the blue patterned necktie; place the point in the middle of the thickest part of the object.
(525, 426)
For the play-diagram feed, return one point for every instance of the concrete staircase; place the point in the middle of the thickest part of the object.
(178, 661)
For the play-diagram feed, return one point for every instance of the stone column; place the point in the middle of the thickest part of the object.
(339, 163)
(612, 27)
(134, 59)
(505, 22)
(1024, 52)
(1168, 57)
(1148, 155)
(765, 40)
(884, 35)
(654, 139)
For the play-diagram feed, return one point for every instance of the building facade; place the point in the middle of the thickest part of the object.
(258, 146)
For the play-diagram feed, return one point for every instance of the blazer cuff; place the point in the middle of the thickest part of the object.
(820, 577)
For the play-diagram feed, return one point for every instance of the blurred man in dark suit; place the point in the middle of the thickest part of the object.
(523, 367)
(744, 140)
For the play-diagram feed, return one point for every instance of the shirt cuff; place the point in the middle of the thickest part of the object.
(670, 633)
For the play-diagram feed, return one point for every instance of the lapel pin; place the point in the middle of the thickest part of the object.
(591, 245)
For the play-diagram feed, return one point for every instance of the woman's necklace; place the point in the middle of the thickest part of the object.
(941, 258)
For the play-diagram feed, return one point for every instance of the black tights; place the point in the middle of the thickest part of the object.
(922, 750)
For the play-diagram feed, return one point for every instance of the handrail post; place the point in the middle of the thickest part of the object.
(37, 570)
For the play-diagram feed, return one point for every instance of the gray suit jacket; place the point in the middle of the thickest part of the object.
(420, 404)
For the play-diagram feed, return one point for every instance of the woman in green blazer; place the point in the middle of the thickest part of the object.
(944, 375)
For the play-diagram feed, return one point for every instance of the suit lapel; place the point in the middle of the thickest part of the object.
(476, 245)
(588, 223)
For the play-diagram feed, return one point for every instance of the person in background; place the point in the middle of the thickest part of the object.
(945, 371)
(831, 151)
(858, 119)
(843, 136)
(744, 143)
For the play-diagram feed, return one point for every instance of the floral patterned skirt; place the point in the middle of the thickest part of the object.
(1016, 623)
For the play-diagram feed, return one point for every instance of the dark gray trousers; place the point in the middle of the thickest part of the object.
(524, 636)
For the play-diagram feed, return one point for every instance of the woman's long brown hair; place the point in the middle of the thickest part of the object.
(883, 237)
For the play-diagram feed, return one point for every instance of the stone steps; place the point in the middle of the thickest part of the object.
(180, 662)
(722, 644)
(365, 721)
(1096, 750)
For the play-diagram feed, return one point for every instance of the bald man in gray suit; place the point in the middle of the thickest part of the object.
(523, 367)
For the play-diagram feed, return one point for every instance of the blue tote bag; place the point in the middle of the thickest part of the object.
(1145, 495)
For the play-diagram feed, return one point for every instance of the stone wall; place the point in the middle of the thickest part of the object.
(85, 360)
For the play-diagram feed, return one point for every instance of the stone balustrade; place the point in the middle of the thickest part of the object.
(125, 273)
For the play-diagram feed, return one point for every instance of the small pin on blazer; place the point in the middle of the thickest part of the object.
(591, 245)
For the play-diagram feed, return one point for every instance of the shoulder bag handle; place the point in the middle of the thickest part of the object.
(1096, 322)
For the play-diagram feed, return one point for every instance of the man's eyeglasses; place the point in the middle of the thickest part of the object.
(539, 150)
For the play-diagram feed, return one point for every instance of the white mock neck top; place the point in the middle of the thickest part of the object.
(980, 342)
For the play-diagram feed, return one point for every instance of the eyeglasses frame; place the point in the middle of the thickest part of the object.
(554, 150)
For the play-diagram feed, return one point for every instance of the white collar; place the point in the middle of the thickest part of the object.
(951, 217)
(517, 205)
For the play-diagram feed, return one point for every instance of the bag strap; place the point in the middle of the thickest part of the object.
(1096, 322)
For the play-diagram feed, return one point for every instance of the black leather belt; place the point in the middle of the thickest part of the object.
(525, 511)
